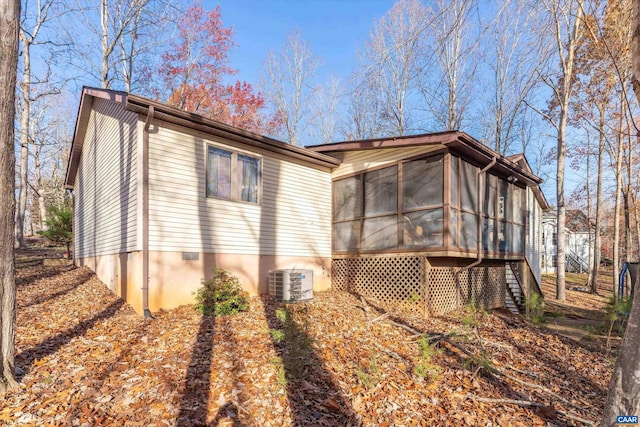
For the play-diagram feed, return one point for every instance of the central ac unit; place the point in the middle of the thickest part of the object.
(291, 285)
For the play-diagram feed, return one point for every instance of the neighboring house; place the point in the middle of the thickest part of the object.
(579, 238)
(162, 196)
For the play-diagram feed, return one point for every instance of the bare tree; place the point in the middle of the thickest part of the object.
(391, 60)
(288, 79)
(447, 90)
(363, 110)
(9, 28)
(49, 150)
(141, 39)
(624, 389)
(125, 30)
(325, 103)
(34, 18)
(563, 22)
(513, 64)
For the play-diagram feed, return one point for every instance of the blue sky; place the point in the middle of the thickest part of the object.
(334, 29)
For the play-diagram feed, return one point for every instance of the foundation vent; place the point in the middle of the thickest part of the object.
(291, 285)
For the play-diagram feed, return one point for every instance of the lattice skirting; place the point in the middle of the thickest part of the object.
(406, 281)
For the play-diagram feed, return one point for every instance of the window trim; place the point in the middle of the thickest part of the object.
(448, 206)
(400, 247)
(235, 192)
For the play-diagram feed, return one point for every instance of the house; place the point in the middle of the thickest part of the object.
(437, 220)
(161, 196)
(579, 238)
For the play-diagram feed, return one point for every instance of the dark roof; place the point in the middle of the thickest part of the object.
(141, 105)
(577, 222)
(459, 142)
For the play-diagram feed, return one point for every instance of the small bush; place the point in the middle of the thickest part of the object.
(427, 371)
(426, 349)
(221, 295)
(617, 311)
(364, 378)
(277, 335)
(484, 361)
(535, 308)
(281, 314)
(474, 317)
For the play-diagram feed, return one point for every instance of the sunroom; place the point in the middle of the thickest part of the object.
(432, 221)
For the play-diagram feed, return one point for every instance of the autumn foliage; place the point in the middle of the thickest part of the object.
(195, 69)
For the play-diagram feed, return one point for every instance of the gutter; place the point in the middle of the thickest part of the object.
(145, 215)
(481, 181)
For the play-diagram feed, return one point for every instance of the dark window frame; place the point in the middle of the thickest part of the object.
(451, 230)
(236, 190)
(439, 155)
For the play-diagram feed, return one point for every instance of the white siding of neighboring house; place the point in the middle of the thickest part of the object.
(577, 244)
(293, 218)
(105, 190)
(549, 249)
(355, 161)
(580, 245)
(534, 248)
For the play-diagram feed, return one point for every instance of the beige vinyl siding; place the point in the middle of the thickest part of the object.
(355, 161)
(105, 191)
(533, 248)
(292, 219)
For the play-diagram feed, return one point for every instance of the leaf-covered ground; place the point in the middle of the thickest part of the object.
(87, 359)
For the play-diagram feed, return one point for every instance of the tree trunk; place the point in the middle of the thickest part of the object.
(588, 187)
(568, 63)
(560, 232)
(25, 114)
(42, 209)
(9, 19)
(627, 226)
(104, 38)
(616, 217)
(597, 251)
(624, 389)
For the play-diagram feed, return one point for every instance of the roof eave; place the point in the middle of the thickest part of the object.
(82, 120)
(458, 141)
(169, 114)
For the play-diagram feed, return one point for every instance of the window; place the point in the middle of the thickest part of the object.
(423, 228)
(381, 191)
(422, 183)
(347, 199)
(468, 187)
(232, 175)
(454, 182)
(400, 206)
(248, 171)
(219, 173)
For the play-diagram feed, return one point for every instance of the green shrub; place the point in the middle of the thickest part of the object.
(277, 335)
(535, 308)
(221, 295)
(427, 371)
(426, 349)
(474, 316)
(281, 314)
(617, 311)
(59, 222)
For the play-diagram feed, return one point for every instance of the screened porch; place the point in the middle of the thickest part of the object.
(429, 205)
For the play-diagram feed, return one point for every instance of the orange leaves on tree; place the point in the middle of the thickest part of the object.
(194, 69)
